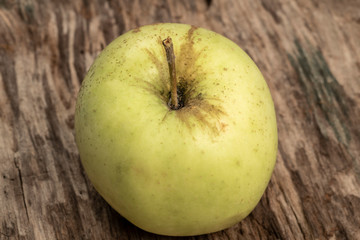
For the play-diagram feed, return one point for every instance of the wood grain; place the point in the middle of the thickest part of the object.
(308, 52)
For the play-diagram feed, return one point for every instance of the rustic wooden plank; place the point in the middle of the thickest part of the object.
(308, 52)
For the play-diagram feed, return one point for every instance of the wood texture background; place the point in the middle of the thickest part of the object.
(308, 51)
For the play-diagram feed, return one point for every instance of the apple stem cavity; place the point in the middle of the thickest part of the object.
(170, 56)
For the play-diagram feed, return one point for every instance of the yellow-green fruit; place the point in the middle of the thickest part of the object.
(195, 170)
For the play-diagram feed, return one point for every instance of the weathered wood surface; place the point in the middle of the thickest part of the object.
(308, 51)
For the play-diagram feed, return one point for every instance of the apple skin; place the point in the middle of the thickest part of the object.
(191, 171)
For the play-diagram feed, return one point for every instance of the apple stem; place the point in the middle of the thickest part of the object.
(170, 56)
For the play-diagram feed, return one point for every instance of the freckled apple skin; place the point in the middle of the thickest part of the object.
(191, 171)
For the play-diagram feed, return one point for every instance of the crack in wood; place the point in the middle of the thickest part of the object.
(22, 188)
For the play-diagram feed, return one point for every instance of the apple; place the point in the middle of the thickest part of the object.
(176, 129)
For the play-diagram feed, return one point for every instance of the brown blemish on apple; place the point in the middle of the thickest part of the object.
(223, 126)
(136, 30)
(197, 106)
(191, 32)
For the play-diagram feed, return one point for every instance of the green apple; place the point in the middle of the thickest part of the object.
(196, 168)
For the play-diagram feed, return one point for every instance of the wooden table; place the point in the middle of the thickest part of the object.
(308, 51)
